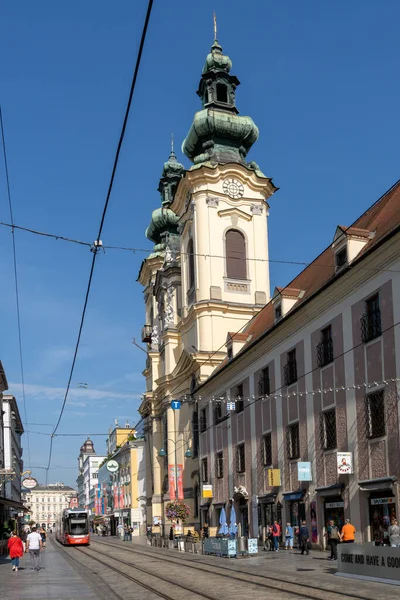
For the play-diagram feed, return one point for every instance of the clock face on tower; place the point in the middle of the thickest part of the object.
(233, 188)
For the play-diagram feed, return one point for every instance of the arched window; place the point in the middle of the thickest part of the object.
(235, 254)
(222, 93)
(190, 253)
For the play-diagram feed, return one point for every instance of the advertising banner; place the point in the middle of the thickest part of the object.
(304, 471)
(121, 497)
(274, 477)
(171, 481)
(179, 472)
(314, 528)
(116, 500)
(344, 463)
(207, 491)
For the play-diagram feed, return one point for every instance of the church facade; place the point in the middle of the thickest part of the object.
(206, 278)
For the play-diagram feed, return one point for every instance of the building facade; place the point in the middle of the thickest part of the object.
(207, 275)
(46, 503)
(12, 432)
(88, 465)
(120, 495)
(302, 420)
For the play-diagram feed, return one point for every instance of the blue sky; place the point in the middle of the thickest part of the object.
(319, 79)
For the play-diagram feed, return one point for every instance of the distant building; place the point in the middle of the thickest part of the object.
(46, 503)
(88, 463)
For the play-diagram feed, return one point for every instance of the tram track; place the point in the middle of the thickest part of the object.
(267, 581)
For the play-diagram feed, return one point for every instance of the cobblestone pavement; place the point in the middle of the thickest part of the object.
(136, 571)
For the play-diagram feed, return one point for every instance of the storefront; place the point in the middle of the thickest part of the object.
(334, 511)
(267, 512)
(382, 507)
(295, 507)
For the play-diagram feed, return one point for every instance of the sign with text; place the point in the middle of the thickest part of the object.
(334, 504)
(378, 501)
(274, 477)
(171, 482)
(175, 404)
(344, 463)
(207, 491)
(29, 483)
(304, 471)
(369, 562)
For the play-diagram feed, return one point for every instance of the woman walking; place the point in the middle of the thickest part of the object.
(16, 550)
(43, 536)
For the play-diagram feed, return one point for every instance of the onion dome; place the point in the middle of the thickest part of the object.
(163, 221)
(172, 172)
(218, 134)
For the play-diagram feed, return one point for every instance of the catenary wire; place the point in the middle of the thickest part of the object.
(133, 250)
(113, 172)
(21, 360)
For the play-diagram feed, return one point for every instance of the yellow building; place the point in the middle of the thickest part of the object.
(207, 276)
(120, 493)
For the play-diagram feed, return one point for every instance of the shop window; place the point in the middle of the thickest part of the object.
(239, 398)
(204, 470)
(328, 429)
(219, 465)
(375, 414)
(218, 413)
(293, 441)
(195, 434)
(266, 449)
(290, 369)
(235, 251)
(264, 383)
(203, 420)
(371, 327)
(325, 347)
(240, 459)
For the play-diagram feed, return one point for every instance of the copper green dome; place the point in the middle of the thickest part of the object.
(163, 220)
(218, 134)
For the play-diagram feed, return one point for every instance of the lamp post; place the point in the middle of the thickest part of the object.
(188, 454)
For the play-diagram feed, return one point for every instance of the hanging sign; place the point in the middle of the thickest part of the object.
(29, 483)
(179, 474)
(112, 466)
(171, 482)
(344, 463)
(230, 405)
(207, 491)
(274, 477)
(304, 471)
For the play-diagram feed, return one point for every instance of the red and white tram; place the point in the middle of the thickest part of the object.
(73, 527)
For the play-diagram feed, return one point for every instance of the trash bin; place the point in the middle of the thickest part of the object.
(242, 544)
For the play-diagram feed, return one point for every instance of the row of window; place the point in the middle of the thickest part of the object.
(51, 500)
(375, 427)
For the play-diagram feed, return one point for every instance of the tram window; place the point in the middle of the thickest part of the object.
(78, 526)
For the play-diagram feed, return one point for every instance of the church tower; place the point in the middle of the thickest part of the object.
(207, 276)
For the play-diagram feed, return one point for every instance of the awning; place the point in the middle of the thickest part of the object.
(293, 495)
(381, 483)
(13, 504)
(330, 490)
(267, 499)
(217, 504)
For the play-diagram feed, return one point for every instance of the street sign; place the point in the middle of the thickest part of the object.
(175, 404)
(112, 466)
(29, 483)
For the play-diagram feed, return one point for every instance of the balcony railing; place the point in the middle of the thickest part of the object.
(371, 325)
(325, 352)
(290, 372)
(146, 334)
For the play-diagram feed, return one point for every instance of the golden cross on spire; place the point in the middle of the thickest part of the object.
(215, 26)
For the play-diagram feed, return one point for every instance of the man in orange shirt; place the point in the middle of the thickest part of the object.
(348, 531)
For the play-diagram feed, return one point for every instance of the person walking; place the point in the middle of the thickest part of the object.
(304, 538)
(394, 534)
(276, 534)
(347, 533)
(33, 546)
(289, 536)
(332, 532)
(43, 536)
(16, 550)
